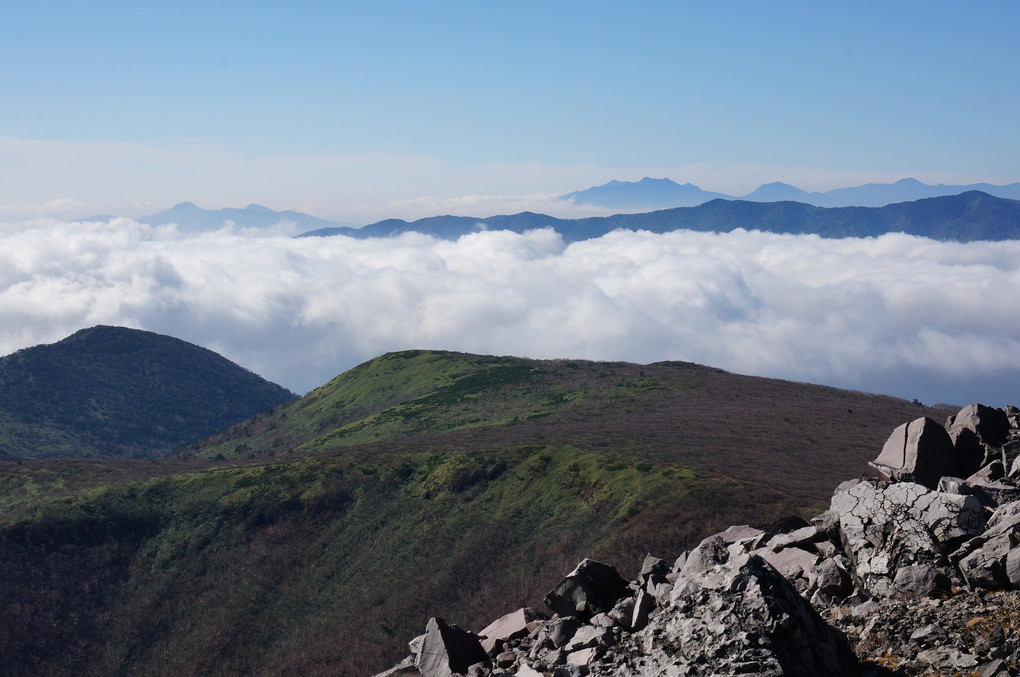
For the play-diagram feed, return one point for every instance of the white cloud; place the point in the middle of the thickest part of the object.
(898, 314)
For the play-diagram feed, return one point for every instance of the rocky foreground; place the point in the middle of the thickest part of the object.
(915, 573)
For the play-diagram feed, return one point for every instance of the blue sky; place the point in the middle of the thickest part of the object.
(372, 109)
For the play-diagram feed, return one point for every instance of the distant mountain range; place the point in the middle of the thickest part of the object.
(191, 218)
(969, 216)
(662, 193)
(117, 392)
(631, 197)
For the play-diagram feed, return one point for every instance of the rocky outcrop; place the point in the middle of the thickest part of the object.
(741, 616)
(913, 573)
(884, 527)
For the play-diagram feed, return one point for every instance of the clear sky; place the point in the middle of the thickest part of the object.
(361, 110)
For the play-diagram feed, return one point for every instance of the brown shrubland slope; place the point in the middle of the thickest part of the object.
(317, 538)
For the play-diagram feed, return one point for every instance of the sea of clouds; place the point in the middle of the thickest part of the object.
(916, 318)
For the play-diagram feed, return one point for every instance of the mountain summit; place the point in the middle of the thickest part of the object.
(647, 193)
(113, 391)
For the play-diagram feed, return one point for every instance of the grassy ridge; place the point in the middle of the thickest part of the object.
(712, 422)
(417, 484)
(395, 396)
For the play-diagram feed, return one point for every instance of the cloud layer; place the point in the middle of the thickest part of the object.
(939, 322)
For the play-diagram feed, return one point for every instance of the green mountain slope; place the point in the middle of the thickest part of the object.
(699, 417)
(111, 391)
(419, 483)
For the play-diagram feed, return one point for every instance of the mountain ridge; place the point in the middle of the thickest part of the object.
(644, 195)
(664, 193)
(965, 217)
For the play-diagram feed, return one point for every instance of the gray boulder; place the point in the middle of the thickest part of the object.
(623, 612)
(571, 671)
(990, 424)
(803, 537)
(591, 588)
(831, 579)
(920, 451)
(1011, 456)
(922, 580)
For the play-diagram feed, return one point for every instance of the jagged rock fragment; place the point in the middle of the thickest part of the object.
(447, 649)
(509, 627)
(644, 604)
(623, 612)
(801, 538)
(831, 579)
(563, 630)
(709, 553)
(791, 562)
(652, 566)
(740, 534)
(786, 525)
(571, 671)
(985, 559)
